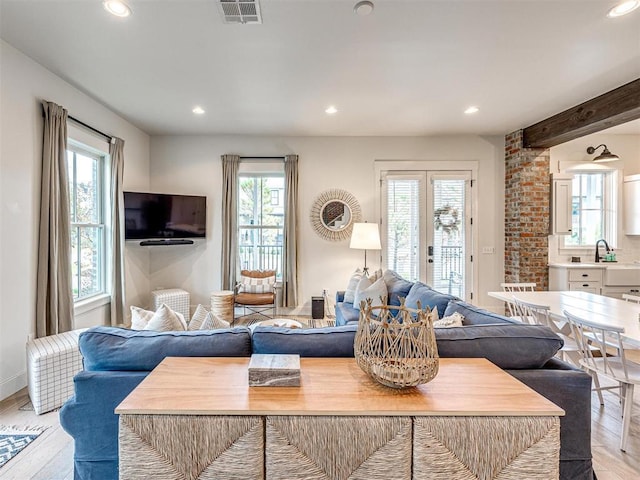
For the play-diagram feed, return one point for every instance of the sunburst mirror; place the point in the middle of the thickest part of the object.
(333, 214)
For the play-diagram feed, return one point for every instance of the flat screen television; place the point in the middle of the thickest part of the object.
(164, 216)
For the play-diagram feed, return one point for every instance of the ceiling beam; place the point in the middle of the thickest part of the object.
(608, 110)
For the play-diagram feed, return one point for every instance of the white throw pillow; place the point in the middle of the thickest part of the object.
(165, 319)
(198, 318)
(350, 292)
(213, 322)
(453, 320)
(376, 291)
(375, 275)
(140, 317)
(257, 285)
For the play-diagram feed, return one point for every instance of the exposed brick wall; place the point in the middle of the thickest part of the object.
(526, 215)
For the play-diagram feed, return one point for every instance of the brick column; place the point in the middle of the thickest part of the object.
(526, 212)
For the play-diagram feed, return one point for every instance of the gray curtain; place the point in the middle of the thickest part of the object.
(230, 165)
(54, 300)
(116, 150)
(290, 253)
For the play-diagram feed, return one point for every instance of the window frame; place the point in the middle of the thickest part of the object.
(84, 303)
(240, 226)
(610, 202)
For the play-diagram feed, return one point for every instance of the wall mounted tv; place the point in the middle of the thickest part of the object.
(164, 217)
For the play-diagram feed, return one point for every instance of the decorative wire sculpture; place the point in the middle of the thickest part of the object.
(324, 199)
(397, 349)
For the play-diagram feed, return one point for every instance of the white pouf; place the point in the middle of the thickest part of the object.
(52, 362)
(176, 299)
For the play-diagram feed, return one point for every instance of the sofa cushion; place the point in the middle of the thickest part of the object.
(428, 297)
(514, 346)
(396, 287)
(350, 292)
(111, 348)
(475, 315)
(311, 342)
(346, 314)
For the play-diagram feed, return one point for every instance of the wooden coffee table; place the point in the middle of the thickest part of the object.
(197, 417)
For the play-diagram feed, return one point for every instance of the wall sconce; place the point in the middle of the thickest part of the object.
(605, 156)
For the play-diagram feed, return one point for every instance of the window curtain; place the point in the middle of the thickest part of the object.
(116, 151)
(54, 299)
(290, 254)
(230, 166)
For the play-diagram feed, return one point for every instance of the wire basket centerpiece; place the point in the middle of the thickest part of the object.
(396, 345)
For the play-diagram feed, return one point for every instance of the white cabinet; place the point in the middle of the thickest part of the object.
(631, 206)
(570, 277)
(617, 292)
(560, 221)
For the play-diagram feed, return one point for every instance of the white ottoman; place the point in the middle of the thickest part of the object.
(52, 363)
(174, 298)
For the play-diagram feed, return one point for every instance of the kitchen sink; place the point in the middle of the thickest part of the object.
(622, 274)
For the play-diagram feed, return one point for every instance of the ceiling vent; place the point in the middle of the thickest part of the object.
(240, 11)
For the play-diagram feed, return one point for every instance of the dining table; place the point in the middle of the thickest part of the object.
(589, 306)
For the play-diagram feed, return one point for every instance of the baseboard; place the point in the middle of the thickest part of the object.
(13, 385)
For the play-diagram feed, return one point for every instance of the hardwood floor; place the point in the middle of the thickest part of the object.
(50, 456)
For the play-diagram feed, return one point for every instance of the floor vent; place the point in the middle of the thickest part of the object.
(240, 11)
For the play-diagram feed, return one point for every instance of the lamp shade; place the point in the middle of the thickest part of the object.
(365, 236)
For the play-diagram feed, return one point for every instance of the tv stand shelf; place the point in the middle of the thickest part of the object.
(172, 241)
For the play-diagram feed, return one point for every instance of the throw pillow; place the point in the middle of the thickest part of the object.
(140, 317)
(376, 291)
(256, 285)
(165, 319)
(350, 292)
(375, 275)
(454, 320)
(397, 286)
(198, 318)
(213, 322)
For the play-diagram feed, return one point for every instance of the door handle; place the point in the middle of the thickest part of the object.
(430, 260)
(430, 250)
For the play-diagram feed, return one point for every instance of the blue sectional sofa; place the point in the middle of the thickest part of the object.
(117, 360)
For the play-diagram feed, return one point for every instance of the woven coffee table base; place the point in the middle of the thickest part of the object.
(194, 447)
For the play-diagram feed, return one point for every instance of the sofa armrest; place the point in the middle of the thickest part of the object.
(89, 418)
(570, 389)
(340, 296)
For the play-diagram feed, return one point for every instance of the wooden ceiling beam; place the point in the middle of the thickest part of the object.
(607, 110)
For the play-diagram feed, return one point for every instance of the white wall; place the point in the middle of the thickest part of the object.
(573, 154)
(191, 164)
(23, 84)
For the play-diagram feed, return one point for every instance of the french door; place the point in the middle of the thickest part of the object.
(426, 228)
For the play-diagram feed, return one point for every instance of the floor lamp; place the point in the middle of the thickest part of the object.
(365, 236)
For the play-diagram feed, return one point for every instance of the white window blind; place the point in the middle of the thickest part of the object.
(448, 235)
(402, 209)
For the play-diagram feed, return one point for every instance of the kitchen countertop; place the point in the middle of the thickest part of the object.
(581, 265)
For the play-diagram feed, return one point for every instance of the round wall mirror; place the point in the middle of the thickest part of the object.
(333, 214)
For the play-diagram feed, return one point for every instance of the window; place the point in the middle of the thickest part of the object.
(88, 229)
(593, 209)
(261, 222)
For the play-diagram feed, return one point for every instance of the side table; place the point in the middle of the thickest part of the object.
(222, 304)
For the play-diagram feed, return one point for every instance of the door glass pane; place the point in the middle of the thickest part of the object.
(448, 267)
(403, 227)
(90, 247)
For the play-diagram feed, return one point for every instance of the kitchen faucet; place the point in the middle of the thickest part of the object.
(606, 245)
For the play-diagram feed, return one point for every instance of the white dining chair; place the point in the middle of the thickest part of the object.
(595, 340)
(516, 287)
(631, 298)
(540, 314)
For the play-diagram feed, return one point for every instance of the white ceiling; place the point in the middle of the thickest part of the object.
(410, 68)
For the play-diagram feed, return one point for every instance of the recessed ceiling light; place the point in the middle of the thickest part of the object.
(198, 110)
(117, 8)
(623, 8)
(365, 7)
(331, 110)
(472, 110)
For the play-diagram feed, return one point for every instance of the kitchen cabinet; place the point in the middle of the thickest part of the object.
(560, 221)
(616, 292)
(631, 206)
(576, 277)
